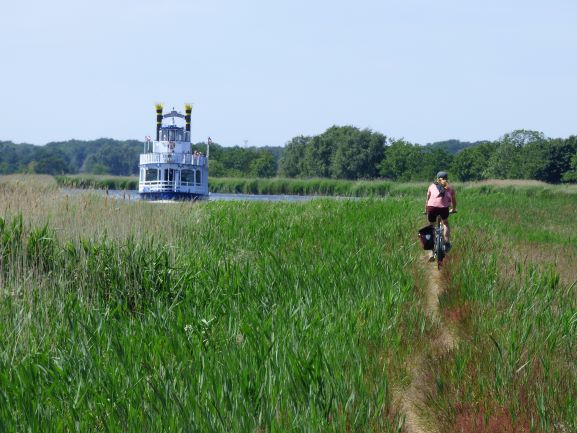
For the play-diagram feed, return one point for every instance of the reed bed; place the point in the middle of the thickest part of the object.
(215, 316)
(262, 317)
(325, 187)
(85, 181)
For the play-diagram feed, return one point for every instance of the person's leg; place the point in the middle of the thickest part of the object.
(431, 215)
(447, 231)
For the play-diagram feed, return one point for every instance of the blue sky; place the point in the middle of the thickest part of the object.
(262, 72)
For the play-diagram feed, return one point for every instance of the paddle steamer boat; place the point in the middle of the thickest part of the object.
(169, 169)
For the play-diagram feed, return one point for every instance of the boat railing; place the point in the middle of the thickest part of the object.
(159, 185)
(165, 185)
(172, 158)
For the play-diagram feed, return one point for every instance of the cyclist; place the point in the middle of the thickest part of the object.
(441, 200)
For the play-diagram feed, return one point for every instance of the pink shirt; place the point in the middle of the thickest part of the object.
(435, 200)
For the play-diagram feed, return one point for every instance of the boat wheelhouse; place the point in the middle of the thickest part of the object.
(169, 170)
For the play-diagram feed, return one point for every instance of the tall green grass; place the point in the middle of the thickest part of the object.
(252, 316)
(512, 285)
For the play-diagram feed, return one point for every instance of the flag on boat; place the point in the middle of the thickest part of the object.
(209, 141)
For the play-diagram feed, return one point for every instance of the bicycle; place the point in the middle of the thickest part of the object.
(439, 244)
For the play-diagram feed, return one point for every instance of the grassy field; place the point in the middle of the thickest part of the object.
(274, 317)
(511, 287)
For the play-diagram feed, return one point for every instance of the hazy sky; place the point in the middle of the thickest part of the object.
(266, 71)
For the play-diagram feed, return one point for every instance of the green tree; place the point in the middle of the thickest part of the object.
(570, 175)
(292, 159)
(471, 164)
(119, 159)
(357, 154)
(508, 158)
(91, 156)
(264, 165)
(432, 161)
(317, 157)
(341, 152)
(48, 161)
(16, 157)
(215, 168)
(401, 160)
(547, 160)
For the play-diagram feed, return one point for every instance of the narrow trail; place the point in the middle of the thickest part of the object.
(412, 401)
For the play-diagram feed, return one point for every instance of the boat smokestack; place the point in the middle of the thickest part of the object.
(187, 111)
(158, 120)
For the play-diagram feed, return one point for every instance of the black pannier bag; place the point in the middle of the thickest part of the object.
(426, 237)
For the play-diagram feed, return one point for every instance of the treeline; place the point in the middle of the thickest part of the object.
(350, 153)
(242, 161)
(102, 156)
(520, 154)
(341, 152)
(120, 158)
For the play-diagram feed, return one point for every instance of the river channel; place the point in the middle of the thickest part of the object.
(213, 196)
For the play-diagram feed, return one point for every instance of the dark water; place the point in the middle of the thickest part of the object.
(214, 196)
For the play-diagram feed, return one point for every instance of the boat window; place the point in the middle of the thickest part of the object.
(168, 174)
(198, 177)
(151, 175)
(187, 176)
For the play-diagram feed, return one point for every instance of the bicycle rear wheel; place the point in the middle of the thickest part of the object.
(439, 247)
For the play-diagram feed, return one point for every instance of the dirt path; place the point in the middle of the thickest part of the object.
(412, 401)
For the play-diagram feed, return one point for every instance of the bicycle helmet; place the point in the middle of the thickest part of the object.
(443, 175)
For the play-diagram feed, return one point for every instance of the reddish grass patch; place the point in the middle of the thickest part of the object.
(458, 313)
(471, 420)
(562, 258)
